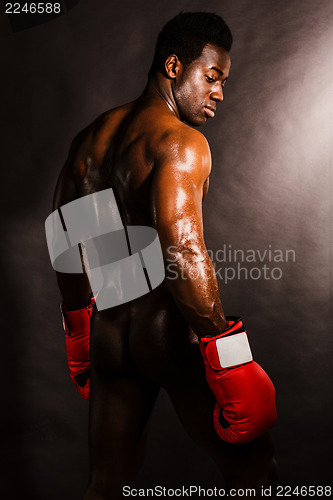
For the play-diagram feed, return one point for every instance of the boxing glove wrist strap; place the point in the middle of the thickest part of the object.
(77, 320)
(229, 348)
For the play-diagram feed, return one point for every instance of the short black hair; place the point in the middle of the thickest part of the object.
(187, 34)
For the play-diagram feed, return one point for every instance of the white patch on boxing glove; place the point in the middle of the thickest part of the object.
(233, 350)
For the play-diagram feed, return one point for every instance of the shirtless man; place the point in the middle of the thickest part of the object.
(158, 167)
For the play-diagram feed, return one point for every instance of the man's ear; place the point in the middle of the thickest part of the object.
(172, 66)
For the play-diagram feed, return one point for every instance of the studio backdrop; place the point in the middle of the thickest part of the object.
(267, 225)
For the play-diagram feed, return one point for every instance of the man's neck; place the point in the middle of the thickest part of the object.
(160, 88)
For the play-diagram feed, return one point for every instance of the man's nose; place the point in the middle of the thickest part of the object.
(217, 94)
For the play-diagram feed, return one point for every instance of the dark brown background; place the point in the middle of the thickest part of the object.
(269, 186)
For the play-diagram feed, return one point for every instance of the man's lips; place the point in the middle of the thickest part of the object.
(210, 111)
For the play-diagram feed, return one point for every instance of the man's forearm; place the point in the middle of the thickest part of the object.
(192, 282)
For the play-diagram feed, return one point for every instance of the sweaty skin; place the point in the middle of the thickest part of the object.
(158, 167)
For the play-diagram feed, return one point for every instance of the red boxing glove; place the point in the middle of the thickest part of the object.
(77, 328)
(245, 395)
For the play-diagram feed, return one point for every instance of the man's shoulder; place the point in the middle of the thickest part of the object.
(96, 136)
(105, 123)
(178, 139)
(183, 153)
(112, 117)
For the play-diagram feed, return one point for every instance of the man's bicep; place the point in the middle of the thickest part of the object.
(177, 216)
(74, 287)
(176, 206)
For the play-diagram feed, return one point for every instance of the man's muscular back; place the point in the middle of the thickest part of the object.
(122, 149)
(151, 160)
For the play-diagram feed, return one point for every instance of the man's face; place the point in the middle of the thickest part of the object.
(198, 88)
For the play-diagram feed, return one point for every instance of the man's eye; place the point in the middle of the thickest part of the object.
(209, 79)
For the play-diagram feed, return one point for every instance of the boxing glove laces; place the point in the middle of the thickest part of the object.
(245, 396)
